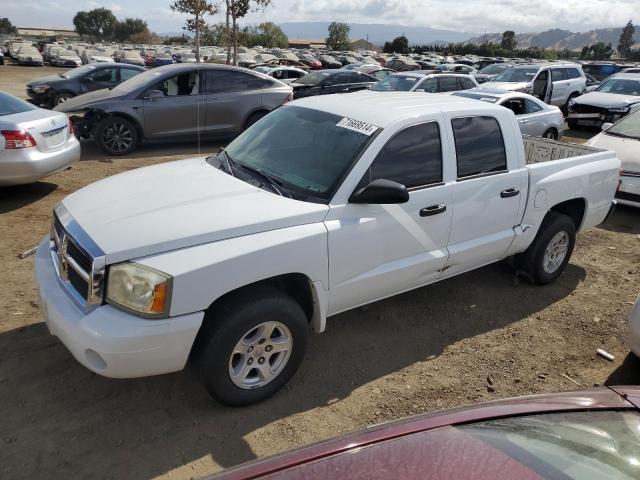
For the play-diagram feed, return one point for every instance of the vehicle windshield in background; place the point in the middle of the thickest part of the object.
(589, 445)
(313, 78)
(10, 105)
(492, 69)
(629, 126)
(477, 96)
(308, 150)
(620, 86)
(396, 83)
(77, 72)
(516, 75)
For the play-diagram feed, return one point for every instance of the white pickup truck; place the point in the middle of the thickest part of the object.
(326, 204)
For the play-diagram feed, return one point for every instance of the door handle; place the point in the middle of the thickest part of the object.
(523, 120)
(509, 192)
(433, 210)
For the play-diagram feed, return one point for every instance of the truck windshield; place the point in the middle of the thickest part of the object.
(516, 75)
(308, 151)
(629, 126)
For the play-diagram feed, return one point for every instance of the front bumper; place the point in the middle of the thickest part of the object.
(629, 192)
(108, 341)
(594, 119)
(28, 165)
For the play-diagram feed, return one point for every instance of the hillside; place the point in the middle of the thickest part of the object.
(559, 39)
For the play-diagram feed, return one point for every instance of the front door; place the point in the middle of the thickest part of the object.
(379, 250)
(542, 86)
(99, 79)
(486, 196)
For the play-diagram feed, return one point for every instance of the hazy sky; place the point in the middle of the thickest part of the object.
(465, 15)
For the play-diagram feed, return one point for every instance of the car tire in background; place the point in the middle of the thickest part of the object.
(551, 134)
(116, 135)
(250, 344)
(548, 255)
(61, 98)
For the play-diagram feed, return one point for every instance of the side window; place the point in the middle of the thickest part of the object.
(430, 85)
(479, 146)
(380, 74)
(466, 84)
(448, 84)
(337, 79)
(573, 73)
(127, 73)
(180, 85)
(413, 157)
(532, 107)
(295, 74)
(558, 74)
(516, 105)
(226, 81)
(103, 75)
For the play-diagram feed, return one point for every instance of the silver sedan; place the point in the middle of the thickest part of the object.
(535, 117)
(34, 142)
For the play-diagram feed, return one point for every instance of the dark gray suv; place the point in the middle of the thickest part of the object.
(175, 101)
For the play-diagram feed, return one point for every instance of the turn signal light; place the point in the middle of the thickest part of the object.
(17, 139)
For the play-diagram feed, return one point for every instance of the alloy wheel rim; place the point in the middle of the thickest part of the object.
(260, 355)
(556, 252)
(62, 99)
(117, 137)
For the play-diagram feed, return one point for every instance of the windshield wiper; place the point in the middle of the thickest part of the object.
(615, 134)
(274, 182)
(228, 161)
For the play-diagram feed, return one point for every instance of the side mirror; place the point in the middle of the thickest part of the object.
(381, 191)
(606, 126)
(151, 94)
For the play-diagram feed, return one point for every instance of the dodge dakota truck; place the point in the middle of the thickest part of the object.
(326, 204)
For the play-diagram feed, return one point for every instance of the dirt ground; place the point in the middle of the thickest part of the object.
(426, 350)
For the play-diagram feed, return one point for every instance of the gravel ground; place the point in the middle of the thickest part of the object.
(480, 336)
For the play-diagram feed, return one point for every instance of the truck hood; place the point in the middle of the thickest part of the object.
(87, 100)
(607, 100)
(506, 85)
(176, 205)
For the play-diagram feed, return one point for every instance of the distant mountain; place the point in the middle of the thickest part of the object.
(376, 33)
(559, 39)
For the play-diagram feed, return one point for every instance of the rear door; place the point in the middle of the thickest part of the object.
(487, 191)
(560, 83)
(379, 250)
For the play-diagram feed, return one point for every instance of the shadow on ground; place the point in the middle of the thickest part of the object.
(624, 219)
(58, 417)
(156, 149)
(16, 197)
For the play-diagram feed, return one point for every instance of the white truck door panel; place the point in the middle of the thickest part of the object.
(376, 251)
(487, 195)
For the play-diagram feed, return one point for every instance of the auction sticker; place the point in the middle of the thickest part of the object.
(357, 126)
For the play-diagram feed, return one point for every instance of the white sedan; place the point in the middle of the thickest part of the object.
(34, 142)
(623, 138)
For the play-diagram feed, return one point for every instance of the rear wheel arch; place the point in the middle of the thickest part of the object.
(254, 116)
(574, 209)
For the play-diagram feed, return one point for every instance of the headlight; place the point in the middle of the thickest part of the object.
(138, 288)
(619, 109)
(40, 88)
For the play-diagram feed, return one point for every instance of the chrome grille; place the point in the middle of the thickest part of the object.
(79, 262)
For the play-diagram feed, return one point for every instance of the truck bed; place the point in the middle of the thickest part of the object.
(540, 150)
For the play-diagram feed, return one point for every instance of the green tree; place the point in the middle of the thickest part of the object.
(198, 9)
(238, 9)
(338, 38)
(215, 34)
(98, 23)
(509, 40)
(626, 39)
(271, 35)
(124, 30)
(6, 26)
(598, 51)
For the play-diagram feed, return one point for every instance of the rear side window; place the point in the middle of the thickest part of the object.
(127, 73)
(448, 84)
(572, 73)
(413, 157)
(337, 79)
(479, 146)
(466, 84)
(532, 107)
(558, 74)
(10, 105)
(225, 81)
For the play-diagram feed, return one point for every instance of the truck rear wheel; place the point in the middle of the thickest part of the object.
(250, 345)
(548, 255)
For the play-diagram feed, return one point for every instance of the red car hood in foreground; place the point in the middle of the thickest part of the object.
(408, 449)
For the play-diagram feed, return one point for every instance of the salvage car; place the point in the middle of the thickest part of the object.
(553, 83)
(586, 434)
(614, 98)
(490, 72)
(284, 74)
(180, 101)
(424, 82)
(54, 90)
(623, 137)
(34, 142)
(65, 58)
(324, 82)
(29, 55)
(535, 117)
(325, 204)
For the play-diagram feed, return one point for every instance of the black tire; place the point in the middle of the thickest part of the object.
(573, 125)
(253, 118)
(532, 260)
(116, 135)
(229, 322)
(551, 134)
(565, 107)
(61, 98)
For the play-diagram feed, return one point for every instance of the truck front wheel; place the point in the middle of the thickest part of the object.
(250, 345)
(548, 255)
